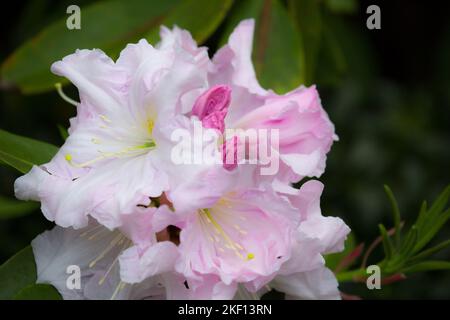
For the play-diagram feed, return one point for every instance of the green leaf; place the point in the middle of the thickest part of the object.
(22, 153)
(430, 221)
(387, 243)
(426, 253)
(395, 212)
(11, 208)
(17, 273)
(436, 208)
(422, 215)
(208, 16)
(409, 242)
(63, 132)
(277, 51)
(333, 62)
(308, 17)
(428, 266)
(107, 25)
(29, 66)
(342, 6)
(38, 292)
(431, 232)
(440, 202)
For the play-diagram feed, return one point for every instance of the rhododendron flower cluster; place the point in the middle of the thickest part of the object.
(141, 226)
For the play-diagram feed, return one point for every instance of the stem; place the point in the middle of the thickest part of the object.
(352, 275)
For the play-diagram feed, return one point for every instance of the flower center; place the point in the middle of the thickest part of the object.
(222, 230)
(127, 151)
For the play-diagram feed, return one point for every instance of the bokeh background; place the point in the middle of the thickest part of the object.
(387, 91)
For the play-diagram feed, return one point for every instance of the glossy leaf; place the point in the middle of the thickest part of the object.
(277, 51)
(11, 208)
(208, 15)
(38, 292)
(22, 153)
(63, 132)
(29, 66)
(121, 22)
(17, 273)
(342, 6)
(308, 17)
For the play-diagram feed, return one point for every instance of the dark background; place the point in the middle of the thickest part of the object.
(389, 101)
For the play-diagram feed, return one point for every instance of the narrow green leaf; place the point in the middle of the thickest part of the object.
(437, 207)
(277, 51)
(387, 243)
(426, 253)
(430, 221)
(22, 153)
(350, 276)
(409, 242)
(395, 212)
(38, 292)
(428, 266)
(432, 230)
(17, 273)
(11, 208)
(422, 215)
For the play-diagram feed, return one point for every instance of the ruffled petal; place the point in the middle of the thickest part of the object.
(233, 63)
(241, 238)
(315, 235)
(319, 284)
(305, 132)
(68, 200)
(99, 81)
(208, 288)
(137, 265)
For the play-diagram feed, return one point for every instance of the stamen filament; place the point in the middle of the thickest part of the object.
(61, 93)
(103, 278)
(130, 151)
(230, 244)
(108, 248)
(119, 287)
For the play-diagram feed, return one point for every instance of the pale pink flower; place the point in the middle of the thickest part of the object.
(238, 234)
(244, 236)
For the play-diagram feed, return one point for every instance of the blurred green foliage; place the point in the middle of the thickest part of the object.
(387, 92)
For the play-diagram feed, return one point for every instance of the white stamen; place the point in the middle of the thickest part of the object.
(119, 287)
(61, 93)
